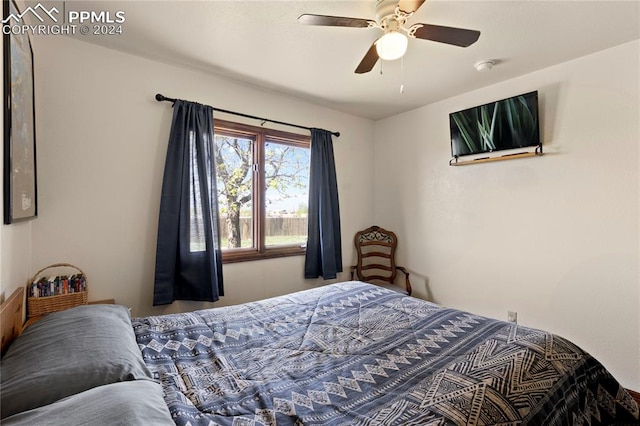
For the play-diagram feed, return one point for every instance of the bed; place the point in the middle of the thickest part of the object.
(347, 353)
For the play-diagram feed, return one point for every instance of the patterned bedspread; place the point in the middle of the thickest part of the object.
(353, 353)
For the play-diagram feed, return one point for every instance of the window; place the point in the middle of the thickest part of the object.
(263, 181)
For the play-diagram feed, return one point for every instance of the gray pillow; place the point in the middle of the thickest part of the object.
(127, 403)
(69, 352)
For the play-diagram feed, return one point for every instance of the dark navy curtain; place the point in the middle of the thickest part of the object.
(324, 246)
(188, 257)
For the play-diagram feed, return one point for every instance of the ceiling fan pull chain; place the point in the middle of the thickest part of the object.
(402, 75)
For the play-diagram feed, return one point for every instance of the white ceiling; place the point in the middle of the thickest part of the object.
(261, 43)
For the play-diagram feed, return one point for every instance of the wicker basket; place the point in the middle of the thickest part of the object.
(37, 306)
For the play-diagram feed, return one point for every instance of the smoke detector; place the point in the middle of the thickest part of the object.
(484, 66)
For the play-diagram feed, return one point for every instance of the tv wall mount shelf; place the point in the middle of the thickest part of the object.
(456, 162)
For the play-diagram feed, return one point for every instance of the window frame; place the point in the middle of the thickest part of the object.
(261, 136)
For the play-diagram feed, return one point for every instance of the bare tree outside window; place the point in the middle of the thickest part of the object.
(262, 180)
(234, 169)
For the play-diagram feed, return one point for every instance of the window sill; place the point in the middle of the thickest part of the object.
(251, 254)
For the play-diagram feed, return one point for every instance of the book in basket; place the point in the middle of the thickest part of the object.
(52, 293)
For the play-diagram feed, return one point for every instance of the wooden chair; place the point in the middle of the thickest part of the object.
(376, 249)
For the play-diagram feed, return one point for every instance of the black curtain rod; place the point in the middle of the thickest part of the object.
(161, 98)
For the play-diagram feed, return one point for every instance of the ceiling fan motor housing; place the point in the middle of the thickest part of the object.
(385, 8)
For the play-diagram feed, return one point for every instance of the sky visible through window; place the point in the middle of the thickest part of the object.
(295, 169)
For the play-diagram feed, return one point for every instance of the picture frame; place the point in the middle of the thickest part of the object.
(20, 177)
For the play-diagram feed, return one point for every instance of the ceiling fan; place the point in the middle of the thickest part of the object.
(391, 17)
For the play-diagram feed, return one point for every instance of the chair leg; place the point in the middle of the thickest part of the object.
(407, 282)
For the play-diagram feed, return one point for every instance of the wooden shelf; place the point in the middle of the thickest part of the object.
(455, 162)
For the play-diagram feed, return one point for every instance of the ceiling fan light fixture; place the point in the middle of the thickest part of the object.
(392, 45)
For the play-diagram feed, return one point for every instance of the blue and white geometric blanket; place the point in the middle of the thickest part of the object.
(353, 353)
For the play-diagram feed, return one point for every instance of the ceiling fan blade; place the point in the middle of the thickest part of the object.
(456, 36)
(334, 21)
(408, 6)
(369, 60)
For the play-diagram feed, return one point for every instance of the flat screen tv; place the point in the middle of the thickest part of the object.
(506, 124)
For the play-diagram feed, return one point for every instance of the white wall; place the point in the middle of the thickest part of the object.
(555, 238)
(15, 239)
(102, 141)
(15, 260)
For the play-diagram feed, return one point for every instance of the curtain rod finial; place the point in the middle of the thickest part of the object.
(161, 98)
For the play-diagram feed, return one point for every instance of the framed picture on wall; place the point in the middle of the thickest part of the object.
(20, 184)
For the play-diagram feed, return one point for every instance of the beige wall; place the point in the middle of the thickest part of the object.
(555, 238)
(101, 150)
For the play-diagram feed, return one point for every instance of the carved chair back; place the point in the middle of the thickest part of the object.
(376, 249)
